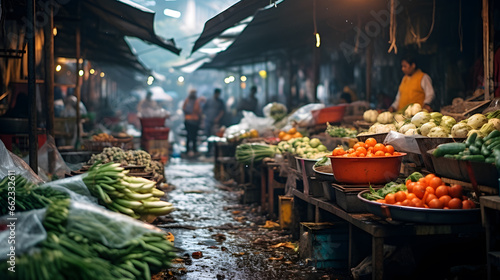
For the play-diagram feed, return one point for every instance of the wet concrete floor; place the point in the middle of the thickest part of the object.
(220, 238)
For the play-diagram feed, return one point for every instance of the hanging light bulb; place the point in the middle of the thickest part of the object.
(318, 40)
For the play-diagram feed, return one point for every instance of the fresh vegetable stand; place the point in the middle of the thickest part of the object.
(378, 228)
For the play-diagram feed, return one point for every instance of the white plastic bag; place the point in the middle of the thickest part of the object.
(303, 116)
(403, 143)
(10, 164)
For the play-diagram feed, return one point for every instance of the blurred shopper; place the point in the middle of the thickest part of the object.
(213, 109)
(415, 87)
(192, 117)
(147, 104)
(251, 102)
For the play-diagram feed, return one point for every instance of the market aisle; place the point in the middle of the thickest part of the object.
(230, 237)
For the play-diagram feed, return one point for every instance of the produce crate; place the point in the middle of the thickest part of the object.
(98, 146)
(347, 198)
(155, 133)
(486, 174)
(428, 143)
(152, 122)
(325, 244)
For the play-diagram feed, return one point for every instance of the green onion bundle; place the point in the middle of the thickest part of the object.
(134, 196)
(248, 153)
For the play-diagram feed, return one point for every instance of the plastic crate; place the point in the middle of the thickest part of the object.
(333, 114)
(155, 133)
(153, 122)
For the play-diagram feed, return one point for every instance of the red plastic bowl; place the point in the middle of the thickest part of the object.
(366, 170)
(332, 114)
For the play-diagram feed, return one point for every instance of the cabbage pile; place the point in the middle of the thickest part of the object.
(414, 120)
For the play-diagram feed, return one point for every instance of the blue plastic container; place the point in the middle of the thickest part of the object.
(325, 245)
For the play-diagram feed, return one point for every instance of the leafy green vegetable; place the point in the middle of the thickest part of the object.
(414, 177)
(322, 161)
(338, 131)
(391, 187)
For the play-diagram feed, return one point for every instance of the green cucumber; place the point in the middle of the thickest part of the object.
(490, 159)
(448, 149)
(495, 133)
(474, 150)
(485, 151)
(478, 158)
(471, 139)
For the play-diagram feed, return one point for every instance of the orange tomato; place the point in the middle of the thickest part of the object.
(410, 186)
(468, 204)
(441, 190)
(429, 177)
(338, 151)
(400, 196)
(390, 198)
(361, 150)
(456, 191)
(371, 142)
(455, 203)
(435, 182)
(436, 204)
(351, 150)
(281, 134)
(286, 137)
(419, 190)
(446, 200)
(292, 131)
(405, 202)
(418, 202)
(430, 197)
(380, 200)
(379, 153)
(389, 149)
(410, 196)
(423, 181)
(357, 145)
(297, 135)
(379, 147)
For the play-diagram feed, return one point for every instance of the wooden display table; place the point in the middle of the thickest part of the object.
(269, 172)
(490, 212)
(378, 228)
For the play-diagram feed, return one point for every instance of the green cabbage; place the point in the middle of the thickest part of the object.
(495, 122)
(420, 118)
(447, 123)
(412, 110)
(438, 131)
(370, 116)
(476, 121)
(436, 117)
(426, 128)
(406, 127)
(460, 130)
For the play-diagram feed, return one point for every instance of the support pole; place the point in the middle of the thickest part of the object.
(32, 121)
(487, 52)
(49, 84)
(77, 88)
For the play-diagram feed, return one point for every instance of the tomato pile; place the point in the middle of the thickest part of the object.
(369, 148)
(430, 192)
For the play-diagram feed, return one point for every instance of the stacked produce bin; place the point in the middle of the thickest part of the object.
(154, 137)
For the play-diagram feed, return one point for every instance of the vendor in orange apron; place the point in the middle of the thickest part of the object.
(415, 87)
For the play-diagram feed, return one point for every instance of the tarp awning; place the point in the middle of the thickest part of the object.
(291, 26)
(227, 19)
(130, 19)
